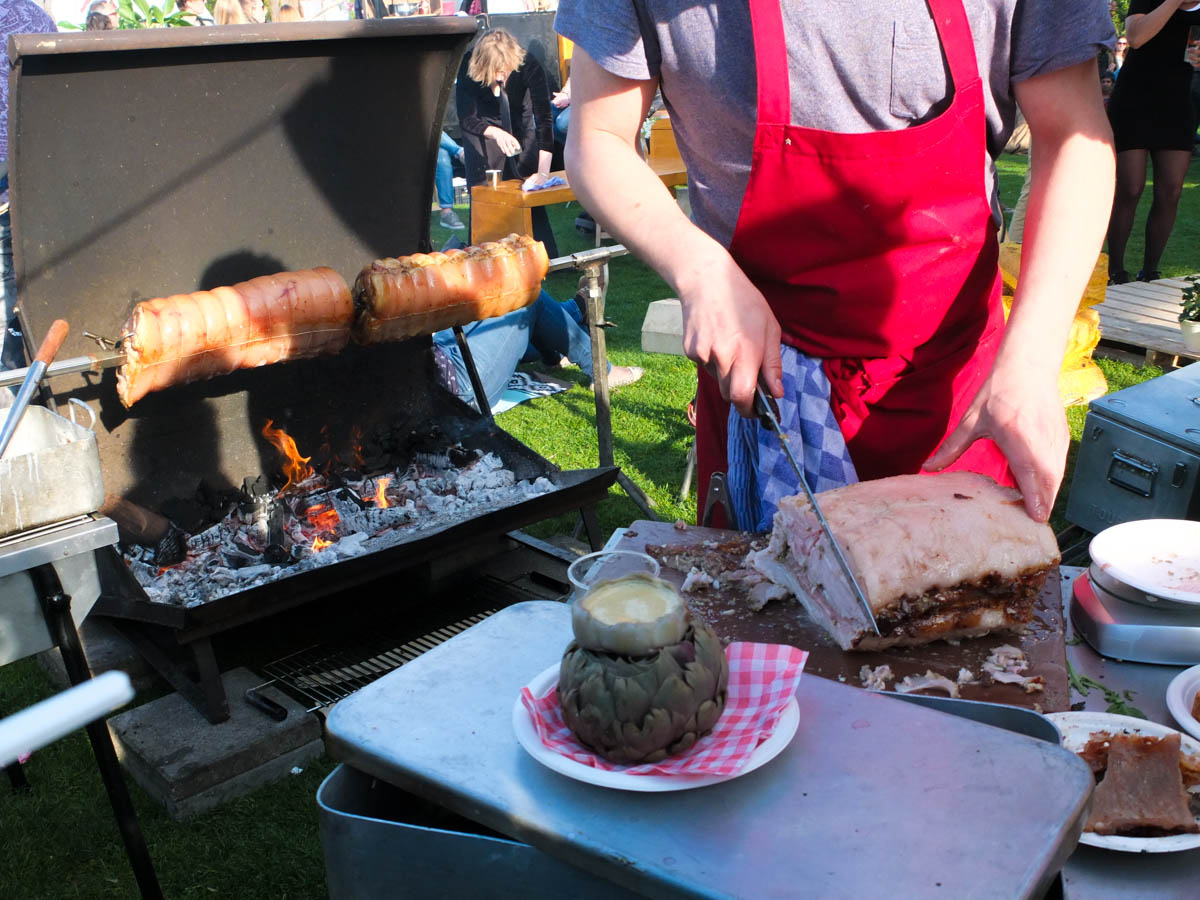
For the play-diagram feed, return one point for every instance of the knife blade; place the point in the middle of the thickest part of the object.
(768, 413)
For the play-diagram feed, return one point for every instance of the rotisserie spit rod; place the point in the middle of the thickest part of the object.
(111, 359)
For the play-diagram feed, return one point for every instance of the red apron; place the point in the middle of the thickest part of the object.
(877, 253)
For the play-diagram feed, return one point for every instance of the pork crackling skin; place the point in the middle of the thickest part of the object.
(947, 555)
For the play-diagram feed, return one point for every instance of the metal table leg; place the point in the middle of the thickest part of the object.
(56, 607)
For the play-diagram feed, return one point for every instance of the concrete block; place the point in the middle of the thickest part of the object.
(106, 651)
(191, 766)
(662, 328)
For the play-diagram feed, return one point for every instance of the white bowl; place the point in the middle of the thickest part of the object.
(1181, 692)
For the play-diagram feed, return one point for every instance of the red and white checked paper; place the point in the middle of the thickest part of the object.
(762, 680)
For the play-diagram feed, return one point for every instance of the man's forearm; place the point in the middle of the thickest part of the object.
(1069, 205)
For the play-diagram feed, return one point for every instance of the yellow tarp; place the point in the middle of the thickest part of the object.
(1081, 380)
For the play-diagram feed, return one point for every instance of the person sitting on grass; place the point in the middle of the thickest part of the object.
(547, 331)
(443, 181)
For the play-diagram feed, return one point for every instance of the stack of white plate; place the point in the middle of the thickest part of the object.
(1151, 562)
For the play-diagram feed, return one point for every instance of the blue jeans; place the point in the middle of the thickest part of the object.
(545, 329)
(562, 119)
(443, 178)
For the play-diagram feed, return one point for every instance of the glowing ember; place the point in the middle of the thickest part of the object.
(323, 516)
(297, 467)
(320, 543)
(381, 500)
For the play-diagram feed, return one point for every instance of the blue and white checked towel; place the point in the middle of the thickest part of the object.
(759, 473)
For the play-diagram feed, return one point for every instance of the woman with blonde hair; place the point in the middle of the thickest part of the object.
(503, 102)
(229, 12)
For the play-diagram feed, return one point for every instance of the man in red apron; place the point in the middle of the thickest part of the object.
(875, 253)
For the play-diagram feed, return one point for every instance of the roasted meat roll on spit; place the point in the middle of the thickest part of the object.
(187, 337)
(938, 556)
(426, 292)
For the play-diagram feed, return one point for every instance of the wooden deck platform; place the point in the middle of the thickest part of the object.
(1145, 315)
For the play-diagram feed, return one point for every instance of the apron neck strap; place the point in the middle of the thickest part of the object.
(771, 59)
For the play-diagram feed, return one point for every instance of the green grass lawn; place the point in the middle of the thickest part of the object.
(60, 841)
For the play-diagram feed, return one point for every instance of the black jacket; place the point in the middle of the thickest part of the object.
(532, 119)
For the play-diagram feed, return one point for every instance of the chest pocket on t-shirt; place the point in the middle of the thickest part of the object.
(920, 79)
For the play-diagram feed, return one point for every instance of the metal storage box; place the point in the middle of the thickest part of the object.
(374, 848)
(68, 546)
(1139, 457)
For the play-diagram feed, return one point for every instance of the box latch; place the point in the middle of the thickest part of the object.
(1133, 474)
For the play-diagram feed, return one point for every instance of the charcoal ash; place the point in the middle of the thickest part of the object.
(324, 521)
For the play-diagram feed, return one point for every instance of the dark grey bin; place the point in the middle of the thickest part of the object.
(1139, 457)
(374, 849)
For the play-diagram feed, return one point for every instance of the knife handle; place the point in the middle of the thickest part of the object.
(765, 408)
(52, 342)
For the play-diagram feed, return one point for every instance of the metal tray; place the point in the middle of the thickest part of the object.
(50, 472)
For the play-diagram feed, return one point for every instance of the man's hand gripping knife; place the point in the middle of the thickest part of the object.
(727, 325)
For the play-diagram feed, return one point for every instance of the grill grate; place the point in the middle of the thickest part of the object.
(321, 675)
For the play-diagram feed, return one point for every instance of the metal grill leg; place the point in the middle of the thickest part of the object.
(56, 607)
(16, 777)
(604, 433)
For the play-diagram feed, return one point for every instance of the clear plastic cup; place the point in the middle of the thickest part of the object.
(1193, 44)
(607, 565)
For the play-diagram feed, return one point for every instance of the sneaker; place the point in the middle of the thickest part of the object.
(451, 220)
(585, 224)
(620, 376)
(1148, 276)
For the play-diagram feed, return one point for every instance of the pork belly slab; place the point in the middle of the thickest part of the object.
(1142, 792)
(938, 556)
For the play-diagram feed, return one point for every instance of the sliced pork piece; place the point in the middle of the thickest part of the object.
(1142, 792)
(938, 556)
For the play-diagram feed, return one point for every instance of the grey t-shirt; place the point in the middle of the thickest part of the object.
(854, 67)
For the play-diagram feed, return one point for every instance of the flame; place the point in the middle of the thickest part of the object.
(356, 445)
(297, 468)
(381, 500)
(324, 518)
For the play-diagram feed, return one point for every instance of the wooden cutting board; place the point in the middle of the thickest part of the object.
(785, 622)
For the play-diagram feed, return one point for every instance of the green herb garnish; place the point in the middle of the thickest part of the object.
(1117, 704)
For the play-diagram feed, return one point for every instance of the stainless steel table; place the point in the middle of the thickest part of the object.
(871, 796)
(1094, 874)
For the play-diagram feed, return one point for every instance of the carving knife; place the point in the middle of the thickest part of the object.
(768, 413)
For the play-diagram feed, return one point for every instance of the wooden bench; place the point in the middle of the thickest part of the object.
(505, 209)
(1146, 315)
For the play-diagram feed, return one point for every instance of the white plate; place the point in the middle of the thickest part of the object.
(1180, 694)
(1158, 556)
(1075, 728)
(785, 729)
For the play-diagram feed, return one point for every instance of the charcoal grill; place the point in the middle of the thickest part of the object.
(210, 156)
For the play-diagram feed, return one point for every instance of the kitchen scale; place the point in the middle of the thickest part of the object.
(1140, 598)
(1130, 631)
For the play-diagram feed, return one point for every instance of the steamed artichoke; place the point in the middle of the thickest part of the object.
(642, 709)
